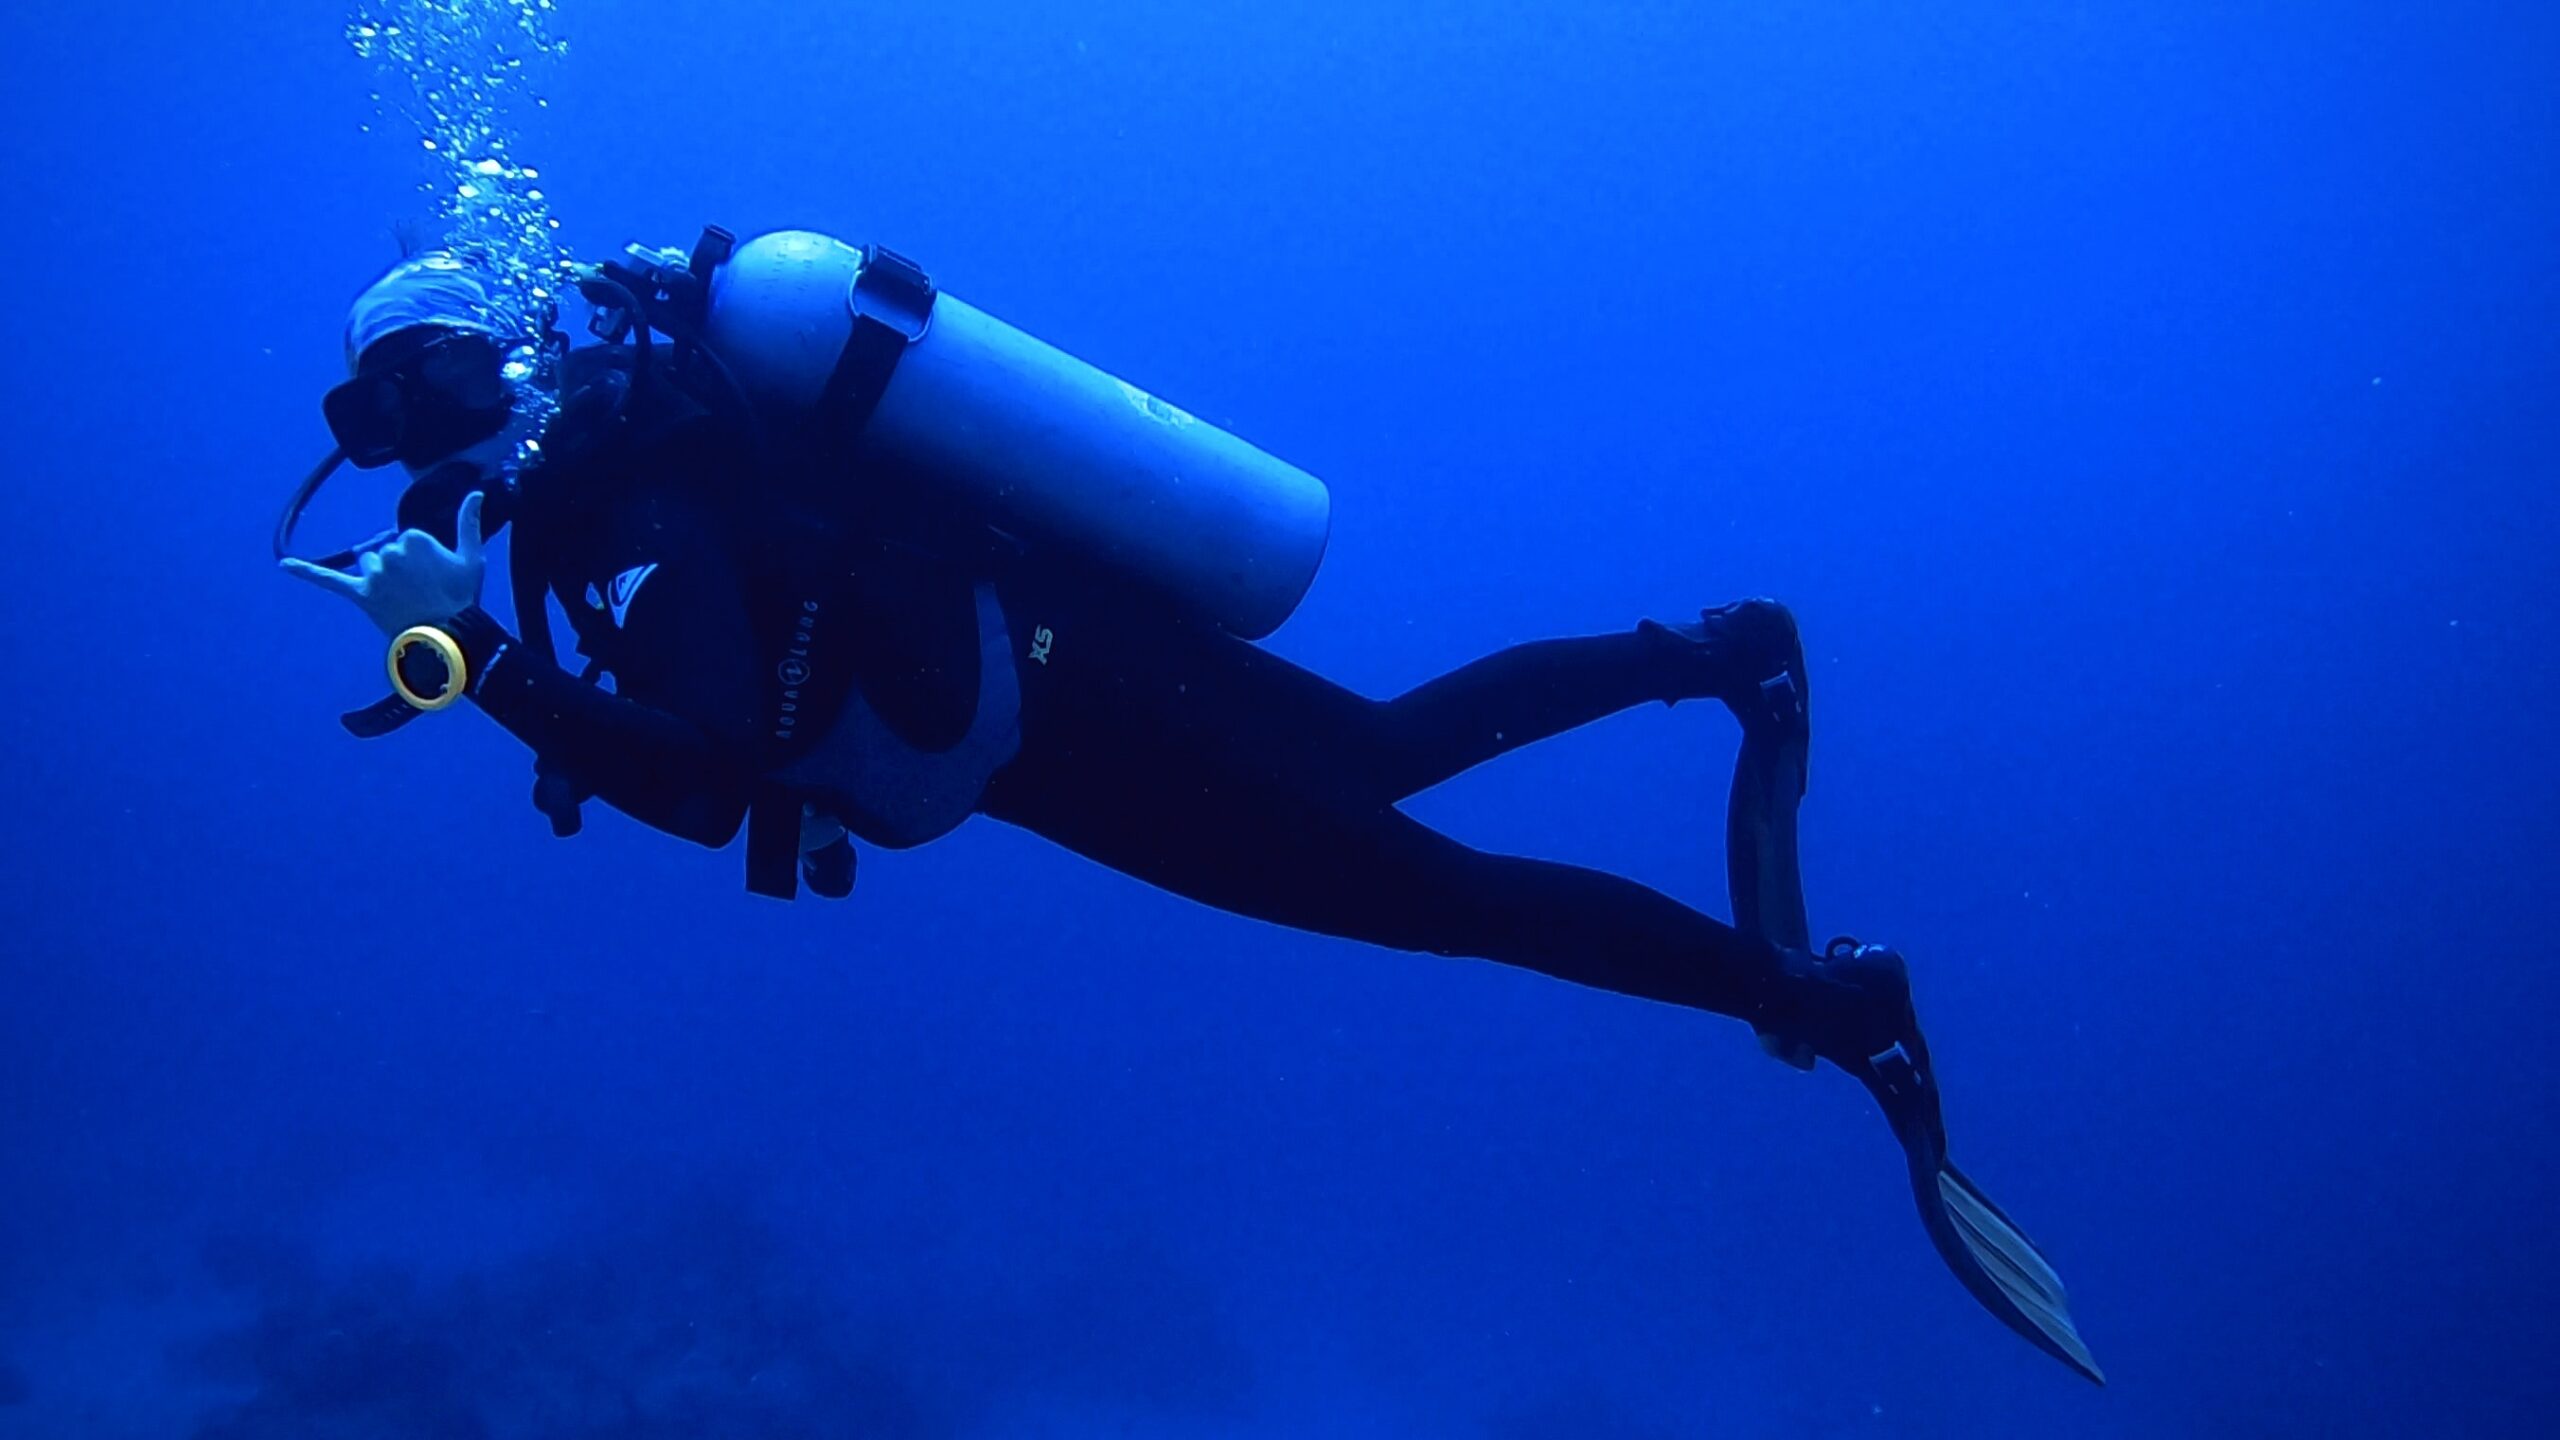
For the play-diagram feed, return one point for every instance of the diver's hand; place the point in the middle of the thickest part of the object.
(414, 580)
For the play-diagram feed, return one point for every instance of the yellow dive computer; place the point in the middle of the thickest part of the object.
(445, 648)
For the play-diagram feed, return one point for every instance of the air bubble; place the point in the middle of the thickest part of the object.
(459, 72)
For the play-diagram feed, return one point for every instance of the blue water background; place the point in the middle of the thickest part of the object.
(2148, 410)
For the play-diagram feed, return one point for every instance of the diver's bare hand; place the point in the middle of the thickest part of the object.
(413, 580)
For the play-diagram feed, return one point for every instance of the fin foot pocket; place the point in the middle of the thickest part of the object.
(1749, 655)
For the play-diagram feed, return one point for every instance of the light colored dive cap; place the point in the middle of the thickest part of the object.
(434, 288)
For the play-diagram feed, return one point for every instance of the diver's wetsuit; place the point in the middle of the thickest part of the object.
(1200, 763)
(1163, 748)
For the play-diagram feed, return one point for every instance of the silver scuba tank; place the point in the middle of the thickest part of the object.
(1036, 442)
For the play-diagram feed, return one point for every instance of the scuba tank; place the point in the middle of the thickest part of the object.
(853, 357)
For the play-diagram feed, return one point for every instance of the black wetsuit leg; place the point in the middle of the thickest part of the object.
(1512, 698)
(1218, 771)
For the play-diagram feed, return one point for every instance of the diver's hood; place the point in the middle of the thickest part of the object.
(435, 384)
(436, 289)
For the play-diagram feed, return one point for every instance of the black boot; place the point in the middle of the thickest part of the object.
(1746, 654)
(1850, 1005)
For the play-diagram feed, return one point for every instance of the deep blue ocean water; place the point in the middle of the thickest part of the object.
(2147, 409)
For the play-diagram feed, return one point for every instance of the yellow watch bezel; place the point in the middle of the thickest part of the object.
(446, 648)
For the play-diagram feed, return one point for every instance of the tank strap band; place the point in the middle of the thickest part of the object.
(892, 302)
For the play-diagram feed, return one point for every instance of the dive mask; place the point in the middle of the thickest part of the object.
(442, 397)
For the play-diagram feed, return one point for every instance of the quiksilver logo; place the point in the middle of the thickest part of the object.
(793, 671)
(626, 588)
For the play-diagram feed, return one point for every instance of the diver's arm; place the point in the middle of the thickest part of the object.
(648, 761)
(671, 743)
(656, 767)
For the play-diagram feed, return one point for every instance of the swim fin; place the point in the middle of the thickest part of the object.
(1989, 1254)
(1760, 855)
(1768, 783)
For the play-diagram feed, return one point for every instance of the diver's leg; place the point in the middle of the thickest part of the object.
(1292, 855)
(1529, 692)
(1120, 674)
(1218, 771)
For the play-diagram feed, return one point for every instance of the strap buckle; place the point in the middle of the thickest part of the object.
(1782, 702)
(891, 300)
(893, 291)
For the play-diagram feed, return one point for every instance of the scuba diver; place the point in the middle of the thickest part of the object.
(848, 559)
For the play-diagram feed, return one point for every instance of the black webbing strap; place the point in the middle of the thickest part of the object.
(773, 844)
(379, 718)
(892, 301)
